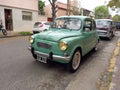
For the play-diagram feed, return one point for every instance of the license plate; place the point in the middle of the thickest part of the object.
(42, 59)
(101, 33)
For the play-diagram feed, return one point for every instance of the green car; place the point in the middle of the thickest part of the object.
(67, 40)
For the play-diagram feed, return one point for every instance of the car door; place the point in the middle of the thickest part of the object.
(89, 35)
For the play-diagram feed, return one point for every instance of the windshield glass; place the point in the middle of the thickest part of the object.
(103, 23)
(67, 23)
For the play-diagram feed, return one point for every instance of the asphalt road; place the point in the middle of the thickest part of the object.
(19, 70)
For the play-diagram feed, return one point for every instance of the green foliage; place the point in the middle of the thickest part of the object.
(116, 18)
(101, 12)
(114, 3)
(25, 33)
(41, 6)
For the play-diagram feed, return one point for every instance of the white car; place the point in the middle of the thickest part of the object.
(41, 26)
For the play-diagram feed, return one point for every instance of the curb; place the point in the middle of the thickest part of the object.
(16, 34)
(105, 81)
(113, 69)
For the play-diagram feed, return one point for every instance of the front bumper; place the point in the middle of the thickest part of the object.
(51, 56)
(102, 33)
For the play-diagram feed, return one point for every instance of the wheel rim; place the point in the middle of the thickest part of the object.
(76, 60)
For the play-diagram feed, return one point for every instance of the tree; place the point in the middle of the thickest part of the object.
(41, 6)
(116, 18)
(54, 8)
(101, 12)
(75, 11)
(114, 5)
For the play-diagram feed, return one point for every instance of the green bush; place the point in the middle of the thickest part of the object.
(25, 33)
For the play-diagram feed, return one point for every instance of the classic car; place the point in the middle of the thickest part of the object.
(105, 28)
(67, 40)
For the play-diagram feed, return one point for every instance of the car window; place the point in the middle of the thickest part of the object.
(103, 23)
(47, 23)
(37, 23)
(88, 25)
(67, 23)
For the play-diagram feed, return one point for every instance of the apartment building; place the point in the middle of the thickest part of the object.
(19, 15)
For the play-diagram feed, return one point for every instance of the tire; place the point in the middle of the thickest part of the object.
(110, 37)
(4, 32)
(96, 46)
(74, 64)
(34, 56)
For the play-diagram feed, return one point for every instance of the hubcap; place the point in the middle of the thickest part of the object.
(76, 60)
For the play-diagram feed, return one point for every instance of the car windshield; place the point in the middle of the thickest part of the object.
(67, 23)
(103, 23)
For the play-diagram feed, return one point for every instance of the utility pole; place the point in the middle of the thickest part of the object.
(68, 7)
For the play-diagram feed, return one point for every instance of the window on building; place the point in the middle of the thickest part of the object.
(26, 15)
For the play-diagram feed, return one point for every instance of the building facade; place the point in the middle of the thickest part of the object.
(19, 15)
(64, 9)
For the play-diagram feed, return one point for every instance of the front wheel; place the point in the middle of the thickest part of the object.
(75, 61)
(4, 32)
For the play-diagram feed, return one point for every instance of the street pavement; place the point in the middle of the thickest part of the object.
(116, 73)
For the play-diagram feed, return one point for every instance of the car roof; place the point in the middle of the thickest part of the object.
(81, 17)
(104, 19)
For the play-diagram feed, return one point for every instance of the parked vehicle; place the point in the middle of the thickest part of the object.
(41, 26)
(117, 24)
(68, 39)
(3, 30)
(105, 28)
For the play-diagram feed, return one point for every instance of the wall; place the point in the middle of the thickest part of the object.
(27, 4)
(18, 23)
(22, 25)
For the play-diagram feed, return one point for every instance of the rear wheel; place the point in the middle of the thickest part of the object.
(75, 61)
(4, 32)
(96, 46)
(110, 37)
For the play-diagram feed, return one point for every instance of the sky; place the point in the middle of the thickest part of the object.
(89, 4)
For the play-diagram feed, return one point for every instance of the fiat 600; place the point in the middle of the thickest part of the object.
(67, 40)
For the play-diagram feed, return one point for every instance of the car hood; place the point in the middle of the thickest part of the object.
(57, 35)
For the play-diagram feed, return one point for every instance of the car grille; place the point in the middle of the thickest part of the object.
(44, 45)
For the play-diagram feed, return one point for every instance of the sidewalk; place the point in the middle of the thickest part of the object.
(11, 34)
(116, 74)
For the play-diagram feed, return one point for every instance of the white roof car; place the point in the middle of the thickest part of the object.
(41, 26)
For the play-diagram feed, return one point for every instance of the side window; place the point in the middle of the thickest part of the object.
(88, 25)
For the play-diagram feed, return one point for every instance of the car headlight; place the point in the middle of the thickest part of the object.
(63, 45)
(31, 39)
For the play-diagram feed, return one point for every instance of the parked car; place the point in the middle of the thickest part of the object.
(41, 26)
(105, 28)
(67, 40)
(117, 24)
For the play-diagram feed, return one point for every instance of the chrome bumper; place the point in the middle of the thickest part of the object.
(55, 57)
